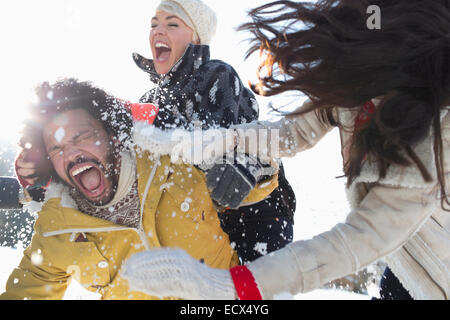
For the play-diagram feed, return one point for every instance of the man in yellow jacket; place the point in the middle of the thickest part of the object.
(109, 199)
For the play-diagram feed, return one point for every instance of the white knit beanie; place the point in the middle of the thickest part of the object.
(196, 14)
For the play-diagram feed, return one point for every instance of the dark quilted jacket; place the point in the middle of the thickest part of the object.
(199, 92)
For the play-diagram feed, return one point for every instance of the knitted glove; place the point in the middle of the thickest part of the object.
(202, 148)
(231, 181)
(174, 273)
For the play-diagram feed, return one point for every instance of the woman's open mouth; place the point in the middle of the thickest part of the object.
(89, 179)
(162, 51)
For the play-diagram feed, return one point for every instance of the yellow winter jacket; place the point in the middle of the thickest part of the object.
(176, 211)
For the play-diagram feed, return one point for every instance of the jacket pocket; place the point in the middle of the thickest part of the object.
(89, 267)
(186, 195)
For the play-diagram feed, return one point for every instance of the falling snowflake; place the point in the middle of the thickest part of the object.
(37, 258)
(261, 247)
(197, 63)
(185, 207)
(59, 134)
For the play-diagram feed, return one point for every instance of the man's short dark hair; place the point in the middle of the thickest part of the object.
(68, 94)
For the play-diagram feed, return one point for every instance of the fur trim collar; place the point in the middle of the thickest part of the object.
(406, 177)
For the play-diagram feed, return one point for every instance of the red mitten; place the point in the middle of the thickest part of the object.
(146, 112)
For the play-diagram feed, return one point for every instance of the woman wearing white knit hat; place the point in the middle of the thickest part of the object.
(192, 91)
(176, 24)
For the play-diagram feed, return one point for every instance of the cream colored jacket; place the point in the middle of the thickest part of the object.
(398, 219)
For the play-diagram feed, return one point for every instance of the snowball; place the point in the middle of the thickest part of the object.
(261, 247)
(185, 207)
(59, 134)
(37, 258)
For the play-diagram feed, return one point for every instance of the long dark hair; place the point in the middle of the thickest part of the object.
(326, 50)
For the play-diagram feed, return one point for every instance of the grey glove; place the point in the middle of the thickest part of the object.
(230, 181)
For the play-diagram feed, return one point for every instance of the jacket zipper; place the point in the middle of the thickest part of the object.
(164, 76)
(140, 230)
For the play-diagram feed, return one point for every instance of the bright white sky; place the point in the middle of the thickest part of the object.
(94, 40)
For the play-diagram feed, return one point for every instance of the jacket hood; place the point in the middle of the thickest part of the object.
(193, 58)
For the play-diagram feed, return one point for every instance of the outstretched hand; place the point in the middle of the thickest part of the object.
(231, 180)
(174, 273)
(202, 148)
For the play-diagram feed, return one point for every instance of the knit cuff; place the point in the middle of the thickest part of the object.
(245, 284)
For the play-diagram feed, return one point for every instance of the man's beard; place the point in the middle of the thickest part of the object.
(109, 174)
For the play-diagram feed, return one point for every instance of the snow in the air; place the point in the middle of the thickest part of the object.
(320, 196)
(261, 247)
(320, 205)
(59, 134)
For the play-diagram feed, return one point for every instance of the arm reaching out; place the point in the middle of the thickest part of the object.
(369, 233)
(174, 273)
(261, 139)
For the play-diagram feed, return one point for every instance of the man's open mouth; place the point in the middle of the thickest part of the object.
(162, 51)
(89, 178)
